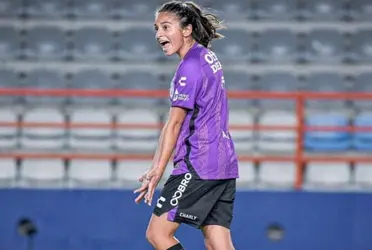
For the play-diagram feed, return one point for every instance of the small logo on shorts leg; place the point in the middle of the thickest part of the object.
(161, 199)
(181, 189)
(188, 216)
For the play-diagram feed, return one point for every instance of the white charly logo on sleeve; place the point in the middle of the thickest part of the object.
(182, 81)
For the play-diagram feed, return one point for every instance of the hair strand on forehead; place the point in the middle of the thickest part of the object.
(204, 24)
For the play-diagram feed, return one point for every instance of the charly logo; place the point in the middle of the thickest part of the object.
(181, 189)
(161, 199)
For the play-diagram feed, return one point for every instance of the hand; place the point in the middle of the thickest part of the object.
(149, 180)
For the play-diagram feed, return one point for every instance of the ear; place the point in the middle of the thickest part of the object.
(187, 31)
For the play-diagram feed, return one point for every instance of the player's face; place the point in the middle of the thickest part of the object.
(168, 32)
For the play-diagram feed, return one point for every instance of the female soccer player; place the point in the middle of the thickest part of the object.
(201, 189)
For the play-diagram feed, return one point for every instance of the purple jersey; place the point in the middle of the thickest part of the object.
(204, 146)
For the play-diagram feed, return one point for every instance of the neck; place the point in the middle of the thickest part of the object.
(185, 48)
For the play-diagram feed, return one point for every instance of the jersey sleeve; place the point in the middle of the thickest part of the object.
(187, 83)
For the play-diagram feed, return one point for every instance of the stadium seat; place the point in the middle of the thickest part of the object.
(363, 84)
(8, 135)
(239, 81)
(138, 44)
(361, 46)
(42, 173)
(128, 172)
(136, 10)
(277, 175)
(45, 43)
(138, 80)
(137, 139)
(276, 9)
(325, 82)
(324, 10)
(46, 9)
(10, 43)
(90, 173)
(92, 44)
(236, 46)
(90, 138)
(43, 137)
(233, 10)
(8, 79)
(8, 172)
(362, 140)
(321, 141)
(11, 8)
(93, 9)
(44, 79)
(361, 10)
(243, 139)
(277, 46)
(363, 175)
(277, 82)
(327, 175)
(91, 79)
(247, 175)
(324, 46)
(277, 140)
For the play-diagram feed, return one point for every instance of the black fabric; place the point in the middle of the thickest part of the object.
(176, 247)
(197, 202)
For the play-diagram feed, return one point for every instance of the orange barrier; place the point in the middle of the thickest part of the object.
(300, 97)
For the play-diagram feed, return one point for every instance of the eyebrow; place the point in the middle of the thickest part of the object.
(163, 23)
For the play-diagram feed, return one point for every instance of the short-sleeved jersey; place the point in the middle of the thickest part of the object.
(204, 146)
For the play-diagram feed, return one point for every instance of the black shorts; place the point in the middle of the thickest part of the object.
(197, 202)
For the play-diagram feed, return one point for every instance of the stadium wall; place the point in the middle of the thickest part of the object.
(110, 220)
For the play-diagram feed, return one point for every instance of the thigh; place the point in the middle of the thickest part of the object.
(161, 225)
(217, 237)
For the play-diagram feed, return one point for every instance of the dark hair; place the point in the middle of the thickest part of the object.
(204, 24)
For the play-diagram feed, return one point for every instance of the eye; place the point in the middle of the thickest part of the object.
(165, 27)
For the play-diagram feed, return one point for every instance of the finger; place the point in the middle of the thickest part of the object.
(144, 187)
(140, 179)
(140, 197)
(150, 193)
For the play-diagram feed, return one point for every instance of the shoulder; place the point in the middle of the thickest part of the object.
(194, 62)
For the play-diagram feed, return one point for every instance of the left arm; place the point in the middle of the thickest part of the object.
(170, 133)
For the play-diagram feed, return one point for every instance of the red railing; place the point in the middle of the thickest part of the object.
(300, 97)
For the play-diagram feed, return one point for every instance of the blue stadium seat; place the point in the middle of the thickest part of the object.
(138, 44)
(363, 140)
(91, 79)
(46, 9)
(10, 43)
(361, 46)
(324, 10)
(327, 140)
(44, 79)
(327, 175)
(324, 46)
(11, 8)
(239, 81)
(235, 46)
(277, 9)
(46, 43)
(277, 46)
(92, 44)
(363, 84)
(361, 10)
(235, 10)
(93, 9)
(8, 79)
(325, 82)
(277, 82)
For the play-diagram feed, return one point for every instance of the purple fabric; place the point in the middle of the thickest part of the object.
(199, 87)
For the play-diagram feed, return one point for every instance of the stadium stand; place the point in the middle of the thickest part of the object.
(270, 46)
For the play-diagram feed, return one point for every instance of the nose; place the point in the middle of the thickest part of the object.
(158, 34)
